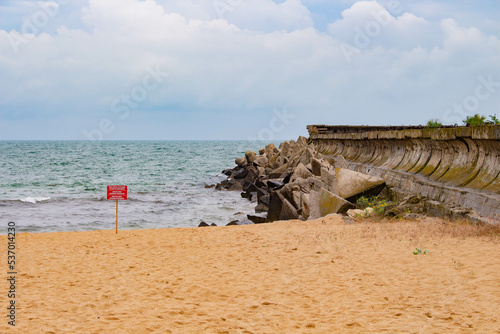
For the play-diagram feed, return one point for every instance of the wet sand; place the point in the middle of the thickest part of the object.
(318, 276)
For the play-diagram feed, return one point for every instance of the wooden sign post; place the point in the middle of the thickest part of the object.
(117, 193)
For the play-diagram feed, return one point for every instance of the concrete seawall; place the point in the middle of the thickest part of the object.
(453, 165)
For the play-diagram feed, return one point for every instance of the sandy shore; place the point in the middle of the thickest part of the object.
(288, 277)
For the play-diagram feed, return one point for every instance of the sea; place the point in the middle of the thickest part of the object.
(58, 186)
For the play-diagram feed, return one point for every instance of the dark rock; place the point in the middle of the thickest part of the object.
(373, 192)
(249, 187)
(227, 183)
(213, 224)
(246, 195)
(241, 222)
(252, 174)
(208, 186)
(240, 174)
(266, 199)
(251, 196)
(236, 186)
(259, 183)
(257, 219)
(203, 224)
(227, 172)
(260, 192)
(287, 177)
(274, 184)
(261, 207)
(288, 211)
(278, 171)
(276, 202)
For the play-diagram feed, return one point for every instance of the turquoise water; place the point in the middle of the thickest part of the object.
(48, 186)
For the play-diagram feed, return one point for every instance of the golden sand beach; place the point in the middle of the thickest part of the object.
(320, 276)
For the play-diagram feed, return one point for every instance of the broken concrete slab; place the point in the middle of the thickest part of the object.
(351, 183)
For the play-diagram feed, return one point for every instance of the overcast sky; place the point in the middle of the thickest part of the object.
(241, 69)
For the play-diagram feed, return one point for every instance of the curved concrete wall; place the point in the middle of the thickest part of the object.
(457, 162)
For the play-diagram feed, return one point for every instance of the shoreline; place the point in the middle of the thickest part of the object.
(312, 276)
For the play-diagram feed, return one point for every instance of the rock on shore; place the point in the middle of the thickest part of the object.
(295, 181)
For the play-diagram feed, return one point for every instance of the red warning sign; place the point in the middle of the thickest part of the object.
(117, 192)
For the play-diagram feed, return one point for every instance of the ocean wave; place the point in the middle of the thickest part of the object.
(34, 200)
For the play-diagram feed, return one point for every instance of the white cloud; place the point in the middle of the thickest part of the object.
(369, 24)
(266, 15)
(233, 72)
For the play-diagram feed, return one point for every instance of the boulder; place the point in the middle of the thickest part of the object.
(252, 174)
(296, 197)
(261, 192)
(323, 202)
(227, 183)
(305, 208)
(250, 156)
(249, 187)
(261, 161)
(266, 199)
(257, 219)
(271, 150)
(228, 172)
(316, 167)
(240, 174)
(236, 187)
(339, 161)
(354, 213)
(278, 171)
(274, 184)
(262, 151)
(302, 141)
(307, 156)
(241, 222)
(275, 204)
(240, 161)
(251, 196)
(288, 211)
(273, 161)
(286, 149)
(203, 224)
(306, 185)
(351, 183)
(330, 179)
(280, 208)
(261, 207)
(300, 172)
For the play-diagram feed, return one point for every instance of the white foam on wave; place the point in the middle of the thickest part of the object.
(34, 199)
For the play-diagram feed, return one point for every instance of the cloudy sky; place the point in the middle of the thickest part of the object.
(241, 69)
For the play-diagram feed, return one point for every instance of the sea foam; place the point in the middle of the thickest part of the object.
(34, 199)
